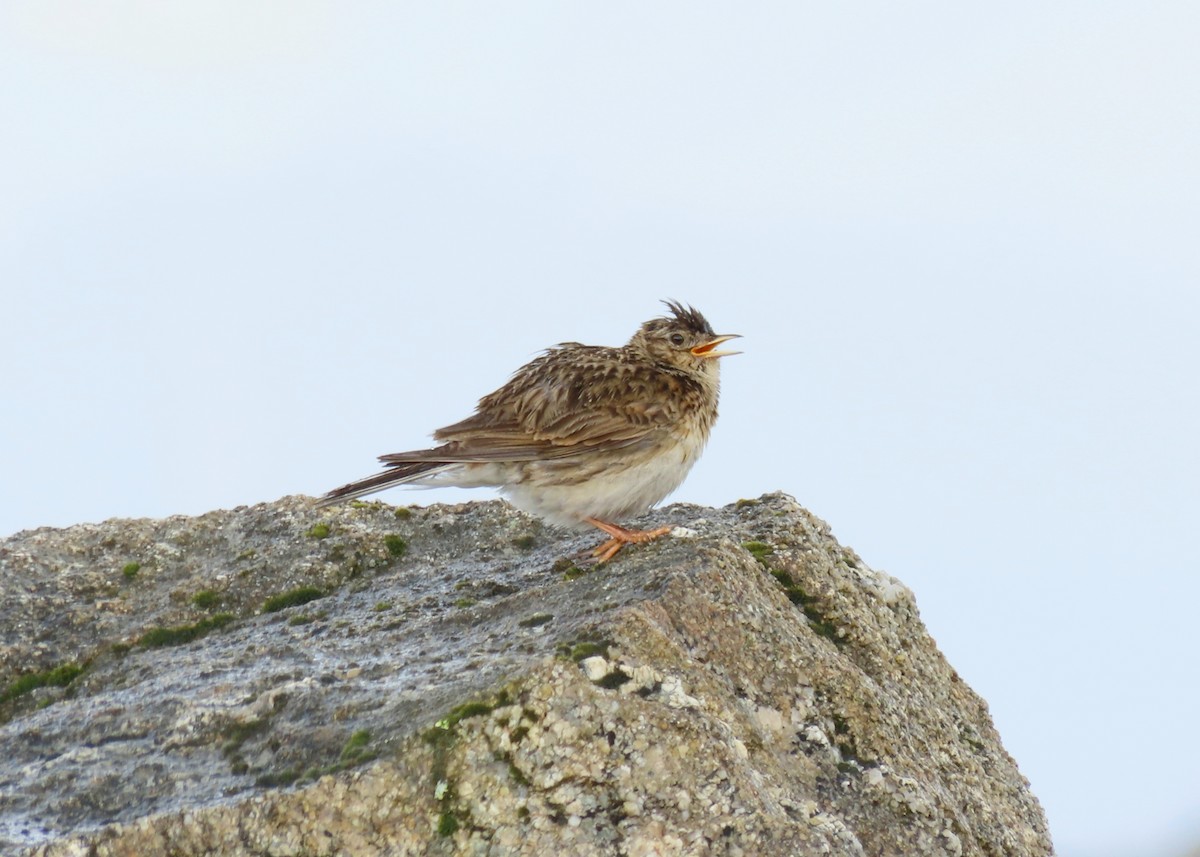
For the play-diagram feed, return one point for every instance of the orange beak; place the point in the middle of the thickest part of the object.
(706, 350)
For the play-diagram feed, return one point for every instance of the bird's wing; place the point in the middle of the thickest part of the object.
(493, 445)
(557, 407)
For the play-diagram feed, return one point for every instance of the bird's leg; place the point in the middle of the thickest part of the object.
(621, 537)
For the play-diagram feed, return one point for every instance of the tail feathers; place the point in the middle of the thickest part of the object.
(397, 474)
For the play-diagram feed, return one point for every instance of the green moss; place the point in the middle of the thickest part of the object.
(742, 504)
(59, 676)
(579, 651)
(794, 591)
(465, 602)
(281, 778)
(403, 513)
(382, 606)
(808, 605)
(525, 542)
(535, 620)
(464, 712)
(318, 531)
(447, 824)
(475, 708)
(237, 734)
(823, 627)
(294, 598)
(568, 569)
(131, 569)
(205, 599)
(355, 752)
(441, 737)
(395, 545)
(156, 638)
(759, 550)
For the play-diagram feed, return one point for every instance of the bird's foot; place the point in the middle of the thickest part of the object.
(620, 536)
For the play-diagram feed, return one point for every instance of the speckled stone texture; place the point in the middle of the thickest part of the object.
(465, 684)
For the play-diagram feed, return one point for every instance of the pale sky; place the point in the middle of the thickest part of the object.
(246, 249)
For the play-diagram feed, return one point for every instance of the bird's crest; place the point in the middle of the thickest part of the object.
(690, 317)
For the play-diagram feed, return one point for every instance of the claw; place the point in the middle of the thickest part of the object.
(621, 537)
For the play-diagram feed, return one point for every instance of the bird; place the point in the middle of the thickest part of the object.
(583, 435)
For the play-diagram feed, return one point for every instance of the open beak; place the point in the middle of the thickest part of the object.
(706, 350)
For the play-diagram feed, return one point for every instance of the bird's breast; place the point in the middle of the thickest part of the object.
(610, 485)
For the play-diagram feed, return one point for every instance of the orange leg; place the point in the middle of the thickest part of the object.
(621, 537)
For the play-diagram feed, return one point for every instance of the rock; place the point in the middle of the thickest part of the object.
(283, 679)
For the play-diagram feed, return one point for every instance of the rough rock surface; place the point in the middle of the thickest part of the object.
(458, 685)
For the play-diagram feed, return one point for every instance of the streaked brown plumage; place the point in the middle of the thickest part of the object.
(584, 434)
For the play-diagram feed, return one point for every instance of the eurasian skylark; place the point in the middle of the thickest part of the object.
(584, 434)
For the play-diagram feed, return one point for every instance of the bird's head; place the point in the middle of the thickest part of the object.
(683, 339)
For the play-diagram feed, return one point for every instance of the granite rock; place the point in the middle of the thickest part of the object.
(288, 680)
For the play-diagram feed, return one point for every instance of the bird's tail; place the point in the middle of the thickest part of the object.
(396, 474)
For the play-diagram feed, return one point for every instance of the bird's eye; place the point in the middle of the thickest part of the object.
(677, 339)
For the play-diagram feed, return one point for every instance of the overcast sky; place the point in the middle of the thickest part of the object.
(245, 248)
